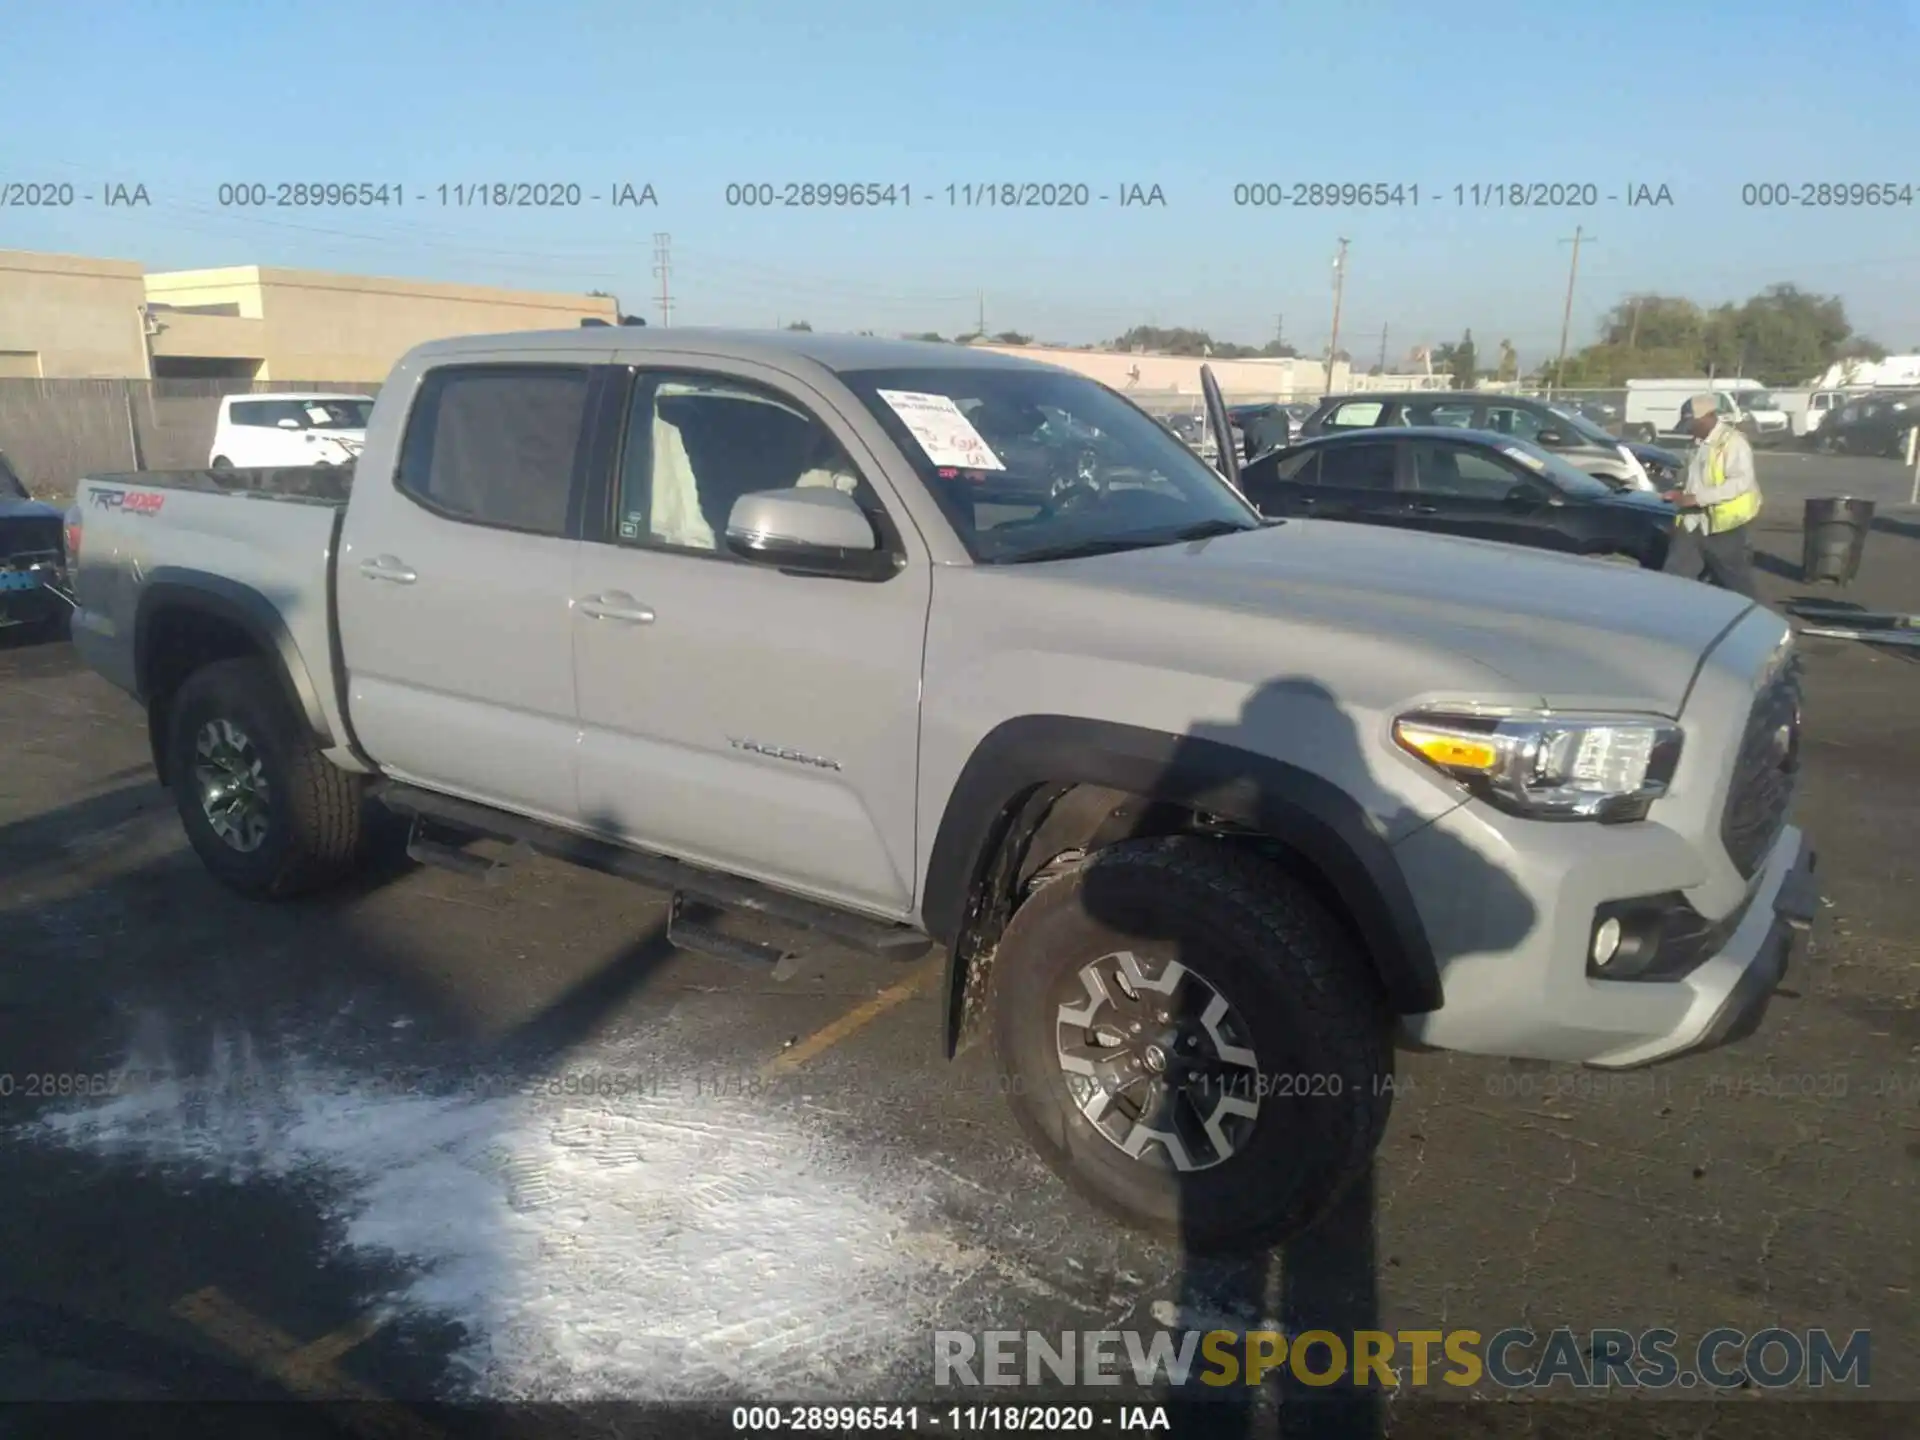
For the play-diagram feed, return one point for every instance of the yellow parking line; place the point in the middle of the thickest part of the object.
(304, 1370)
(329, 1348)
(855, 1020)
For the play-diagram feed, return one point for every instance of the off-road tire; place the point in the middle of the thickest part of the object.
(316, 831)
(1308, 1000)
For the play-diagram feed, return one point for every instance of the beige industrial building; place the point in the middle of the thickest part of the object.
(74, 317)
(1179, 375)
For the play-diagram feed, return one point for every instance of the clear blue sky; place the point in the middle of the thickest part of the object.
(1193, 96)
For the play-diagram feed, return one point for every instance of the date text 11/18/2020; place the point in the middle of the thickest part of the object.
(1477, 195)
(970, 195)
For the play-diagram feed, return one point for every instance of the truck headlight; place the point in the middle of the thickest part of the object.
(1609, 768)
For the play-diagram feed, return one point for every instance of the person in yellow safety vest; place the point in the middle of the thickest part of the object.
(1718, 501)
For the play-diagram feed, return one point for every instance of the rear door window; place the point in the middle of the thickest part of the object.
(497, 445)
(1514, 420)
(1454, 415)
(1460, 472)
(1358, 467)
(1356, 415)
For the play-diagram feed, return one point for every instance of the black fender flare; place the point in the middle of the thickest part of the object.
(1304, 811)
(172, 588)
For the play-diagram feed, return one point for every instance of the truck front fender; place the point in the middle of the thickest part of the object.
(233, 619)
(1322, 825)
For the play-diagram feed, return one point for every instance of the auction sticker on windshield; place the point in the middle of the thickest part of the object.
(1532, 462)
(944, 433)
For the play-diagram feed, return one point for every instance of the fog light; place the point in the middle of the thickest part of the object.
(1606, 941)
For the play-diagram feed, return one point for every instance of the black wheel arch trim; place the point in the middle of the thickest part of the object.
(1300, 809)
(171, 588)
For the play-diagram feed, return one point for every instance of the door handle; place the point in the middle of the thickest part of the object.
(388, 567)
(616, 605)
(1423, 509)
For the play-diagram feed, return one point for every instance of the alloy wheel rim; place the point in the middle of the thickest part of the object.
(230, 775)
(1157, 1061)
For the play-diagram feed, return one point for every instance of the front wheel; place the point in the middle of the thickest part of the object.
(1191, 1041)
(267, 813)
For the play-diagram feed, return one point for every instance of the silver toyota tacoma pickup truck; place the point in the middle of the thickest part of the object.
(908, 645)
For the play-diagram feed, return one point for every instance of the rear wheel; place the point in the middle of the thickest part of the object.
(221, 463)
(264, 809)
(1192, 1042)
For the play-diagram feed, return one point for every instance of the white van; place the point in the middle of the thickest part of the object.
(1660, 407)
(1807, 408)
(293, 429)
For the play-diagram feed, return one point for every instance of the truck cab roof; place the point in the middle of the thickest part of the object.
(838, 353)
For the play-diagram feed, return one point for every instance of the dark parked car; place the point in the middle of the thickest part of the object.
(32, 557)
(1870, 425)
(1461, 482)
(1573, 438)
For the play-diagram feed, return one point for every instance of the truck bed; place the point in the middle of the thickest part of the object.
(322, 485)
(196, 528)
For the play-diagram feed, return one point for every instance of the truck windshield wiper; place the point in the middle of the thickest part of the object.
(1113, 544)
(1207, 529)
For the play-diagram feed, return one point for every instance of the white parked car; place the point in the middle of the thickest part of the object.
(267, 430)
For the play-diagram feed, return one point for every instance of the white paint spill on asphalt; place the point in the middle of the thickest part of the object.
(651, 1246)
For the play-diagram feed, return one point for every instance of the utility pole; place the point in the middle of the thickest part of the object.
(980, 327)
(1566, 316)
(1383, 349)
(1633, 329)
(1279, 331)
(663, 267)
(1339, 293)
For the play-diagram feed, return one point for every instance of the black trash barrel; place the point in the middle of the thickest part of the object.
(1835, 536)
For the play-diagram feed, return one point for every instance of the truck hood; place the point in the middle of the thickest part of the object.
(1560, 631)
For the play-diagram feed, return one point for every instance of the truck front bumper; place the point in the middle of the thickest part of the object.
(1534, 996)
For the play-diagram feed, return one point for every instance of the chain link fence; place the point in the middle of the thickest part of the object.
(56, 431)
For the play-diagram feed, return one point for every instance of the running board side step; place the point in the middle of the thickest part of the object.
(430, 845)
(691, 882)
(684, 933)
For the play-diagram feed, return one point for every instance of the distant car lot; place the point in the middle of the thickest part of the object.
(557, 1151)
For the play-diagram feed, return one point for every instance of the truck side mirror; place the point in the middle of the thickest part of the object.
(807, 531)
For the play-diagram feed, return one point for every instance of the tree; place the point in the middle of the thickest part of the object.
(933, 335)
(800, 325)
(1509, 367)
(620, 316)
(1782, 336)
(1012, 337)
(1462, 364)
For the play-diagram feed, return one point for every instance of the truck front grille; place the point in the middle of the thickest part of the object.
(1765, 773)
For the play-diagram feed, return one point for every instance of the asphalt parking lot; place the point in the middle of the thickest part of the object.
(434, 1139)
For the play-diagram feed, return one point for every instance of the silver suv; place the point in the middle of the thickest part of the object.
(1572, 436)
